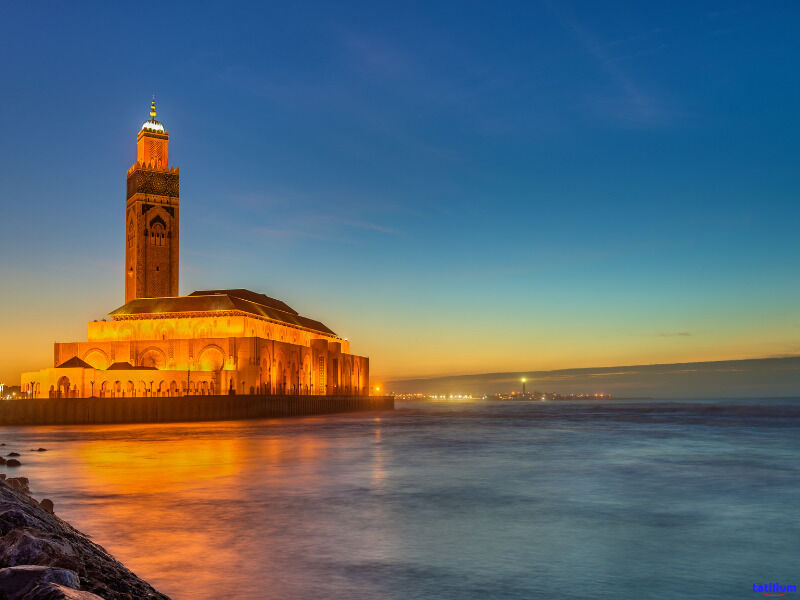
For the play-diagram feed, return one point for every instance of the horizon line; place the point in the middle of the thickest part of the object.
(616, 366)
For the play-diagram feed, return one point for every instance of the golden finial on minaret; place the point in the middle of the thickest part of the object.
(153, 108)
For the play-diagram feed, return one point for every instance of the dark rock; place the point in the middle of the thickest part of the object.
(41, 449)
(13, 516)
(2, 460)
(53, 591)
(47, 504)
(19, 483)
(28, 546)
(13, 462)
(17, 582)
(2, 475)
(12, 454)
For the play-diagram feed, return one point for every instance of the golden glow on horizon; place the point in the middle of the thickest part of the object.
(407, 359)
(400, 354)
(31, 351)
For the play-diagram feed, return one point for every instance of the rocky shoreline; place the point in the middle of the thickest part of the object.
(45, 558)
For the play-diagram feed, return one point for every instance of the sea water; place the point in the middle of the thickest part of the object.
(466, 500)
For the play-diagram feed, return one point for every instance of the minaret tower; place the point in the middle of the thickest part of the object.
(151, 216)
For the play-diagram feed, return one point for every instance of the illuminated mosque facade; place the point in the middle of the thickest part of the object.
(207, 343)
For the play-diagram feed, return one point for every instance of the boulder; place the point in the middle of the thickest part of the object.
(28, 546)
(2, 460)
(47, 504)
(13, 454)
(41, 449)
(53, 591)
(13, 516)
(19, 483)
(13, 462)
(17, 582)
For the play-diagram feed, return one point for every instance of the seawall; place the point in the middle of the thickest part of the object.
(97, 411)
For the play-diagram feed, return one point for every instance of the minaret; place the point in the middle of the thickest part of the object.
(151, 216)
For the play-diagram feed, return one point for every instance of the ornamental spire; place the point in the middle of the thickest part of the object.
(152, 124)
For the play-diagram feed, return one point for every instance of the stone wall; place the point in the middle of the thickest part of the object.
(95, 411)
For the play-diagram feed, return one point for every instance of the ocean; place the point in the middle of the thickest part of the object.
(441, 500)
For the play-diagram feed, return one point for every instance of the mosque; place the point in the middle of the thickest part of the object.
(209, 342)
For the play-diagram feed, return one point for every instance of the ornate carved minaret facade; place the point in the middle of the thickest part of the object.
(151, 217)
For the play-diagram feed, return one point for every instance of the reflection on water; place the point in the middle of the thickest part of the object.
(459, 501)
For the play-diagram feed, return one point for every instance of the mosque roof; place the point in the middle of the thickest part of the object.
(126, 366)
(74, 362)
(250, 296)
(153, 125)
(245, 301)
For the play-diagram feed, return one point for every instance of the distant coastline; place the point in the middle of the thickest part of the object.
(747, 378)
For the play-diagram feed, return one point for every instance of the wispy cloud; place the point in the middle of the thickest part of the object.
(674, 334)
(364, 225)
(376, 54)
(289, 234)
(289, 214)
(321, 227)
(612, 374)
(630, 102)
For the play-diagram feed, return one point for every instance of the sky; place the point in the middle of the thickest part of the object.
(457, 188)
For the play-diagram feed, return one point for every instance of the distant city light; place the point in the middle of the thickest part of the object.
(422, 396)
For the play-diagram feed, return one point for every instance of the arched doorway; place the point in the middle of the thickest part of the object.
(153, 357)
(211, 358)
(63, 387)
(97, 358)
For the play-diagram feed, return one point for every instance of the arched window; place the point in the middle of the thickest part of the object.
(157, 234)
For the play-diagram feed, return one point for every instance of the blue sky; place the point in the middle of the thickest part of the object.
(456, 187)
